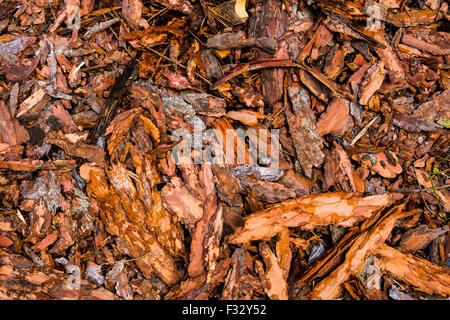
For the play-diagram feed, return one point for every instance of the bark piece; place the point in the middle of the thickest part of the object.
(302, 126)
(132, 12)
(229, 40)
(444, 195)
(419, 238)
(411, 124)
(336, 119)
(167, 228)
(247, 117)
(322, 37)
(11, 131)
(231, 284)
(137, 240)
(385, 163)
(436, 43)
(316, 88)
(46, 187)
(299, 184)
(435, 108)
(19, 72)
(365, 244)
(206, 104)
(339, 23)
(417, 272)
(182, 202)
(92, 153)
(228, 189)
(372, 82)
(249, 97)
(267, 191)
(34, 165)
(334, 62)
(389, 58)
(211, 65)
(308, 212)
(346, 166)
(204, 246)
(273, 280)
(119, 127)
(30, 102)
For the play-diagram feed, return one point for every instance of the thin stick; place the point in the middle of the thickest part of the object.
(445, 186)
(158, 62)
(421, 193)
(363, 131)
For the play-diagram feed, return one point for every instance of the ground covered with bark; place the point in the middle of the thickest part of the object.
(98, 201)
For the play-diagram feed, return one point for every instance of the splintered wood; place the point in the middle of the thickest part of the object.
(224, 150)
(308, 212)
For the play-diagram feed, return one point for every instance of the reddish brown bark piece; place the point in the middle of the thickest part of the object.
(249, 97)
(435, 108)
(308, 212)
(205, 239)
(19, 72)
(302, 126)
(316, 88)
(384, 163)
(418, 272)
(299, 184)
(92, 153)
(119, 127)
(267, 191)
(157, 219)
(419, 238)
(372, 82)
(364, 245)
(322, 38)
(11, 132)
(356, 182)
(334, 63)
(247, 117)
(137, 240)
(436, 43)
(390, 59)
(412, 124)
(132, 12)
(229, 40)
(182, 202)
(336, 119)
(272, 279)
(228, 188)
(269, 22)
